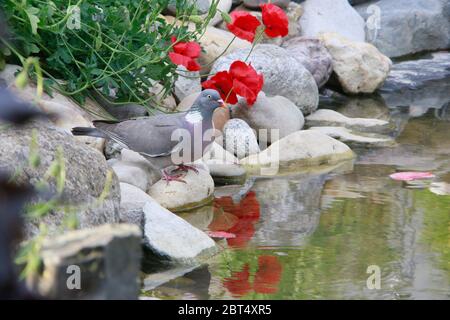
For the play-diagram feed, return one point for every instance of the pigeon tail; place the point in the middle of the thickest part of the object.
(87, 131)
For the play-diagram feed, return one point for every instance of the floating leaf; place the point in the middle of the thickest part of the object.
(410, 175)
(221, 234)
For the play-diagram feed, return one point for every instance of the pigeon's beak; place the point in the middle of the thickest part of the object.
(222, 103)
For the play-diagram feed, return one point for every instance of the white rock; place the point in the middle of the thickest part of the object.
(359, 66)
(223, 6)
(332, 16)
(239, 138)
(132, 201)
(172, 237)
(178, 196)
(218, 155)
(277, 114)
(306, 147)
(133, 175)
(327, 117)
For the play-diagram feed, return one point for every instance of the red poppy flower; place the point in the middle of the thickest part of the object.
(275, 20)
(246, 81)
(223, 83)
(243, 25)
(238, 284)
(185, 53)
(268, 275)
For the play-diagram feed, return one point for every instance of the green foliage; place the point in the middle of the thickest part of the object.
(117, 47)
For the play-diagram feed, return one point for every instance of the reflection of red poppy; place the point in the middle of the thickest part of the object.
(268, 276)
(246, 213)
(266, 279)
(223, 83)
(275, 20)
(243, 25)
(238, 284)
(185, 53)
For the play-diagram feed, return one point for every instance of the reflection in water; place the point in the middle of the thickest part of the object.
(265, 280)
(312, 236)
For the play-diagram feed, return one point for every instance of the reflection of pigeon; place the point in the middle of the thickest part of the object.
(16, 111)
(13, 198)
(152, 136)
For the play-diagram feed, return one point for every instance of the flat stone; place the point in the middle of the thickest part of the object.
(132, 201)
(172, 238)
(227, 174)
(108, 258)
(327, 117)
(354, 138)
(301, 148)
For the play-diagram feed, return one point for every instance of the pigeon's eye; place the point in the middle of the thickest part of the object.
(209, 96)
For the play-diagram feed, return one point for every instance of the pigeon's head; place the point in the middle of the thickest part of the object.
(209, 100)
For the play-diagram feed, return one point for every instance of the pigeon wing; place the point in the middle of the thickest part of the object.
(150, 136)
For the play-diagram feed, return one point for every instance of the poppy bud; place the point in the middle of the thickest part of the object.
(21, 80)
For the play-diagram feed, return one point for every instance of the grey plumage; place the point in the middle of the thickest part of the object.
(152, 136)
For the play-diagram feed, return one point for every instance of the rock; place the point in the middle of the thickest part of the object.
(177, 196)
(254, 4)
(108, 259)
(112, 149)
(301, 148)
(134, 159)
(239, 138)
(132, 201)
(131, 174)
(356, 139)
(188, 83)
(270, 113)
(86, 171)
(327, 117)
(422, 84)
(202, 6)
(294, 11)
(283, 74)
(172, 238)
(409, 26)
(227, 174)
(313, 55)
(217, 154)
(322, 16)
(223, 6)
(359, 67)
(415, 74)
(69, 114)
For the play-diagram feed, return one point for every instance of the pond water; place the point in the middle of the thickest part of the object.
(313, 235)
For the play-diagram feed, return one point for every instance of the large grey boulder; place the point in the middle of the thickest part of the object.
(409, 26)
(283, 74)
(331, 16)
(313, 55)
(254, 4)
(98, 263)
(269, 114)
(86, 171)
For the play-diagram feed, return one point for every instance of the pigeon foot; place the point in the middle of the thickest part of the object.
(171, 177)
(186, 168)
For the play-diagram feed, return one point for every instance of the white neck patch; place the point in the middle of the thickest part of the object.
(194, 117)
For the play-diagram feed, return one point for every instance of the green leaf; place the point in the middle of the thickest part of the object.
(2, 61)
(226, 17)
(34, 20)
